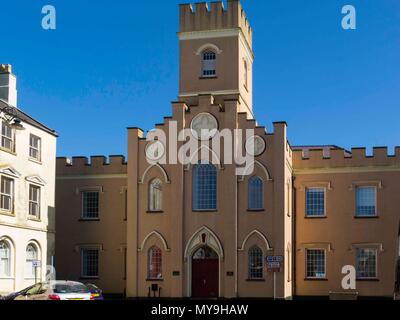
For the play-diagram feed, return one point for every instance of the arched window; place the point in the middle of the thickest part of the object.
(31, 255)
(256, 265)
(5, 259)
(154, 263)
(204, 190)
(209, 64)
(255, 193)
(155, 195)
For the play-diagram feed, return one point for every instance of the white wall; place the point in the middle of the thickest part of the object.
(18, 228)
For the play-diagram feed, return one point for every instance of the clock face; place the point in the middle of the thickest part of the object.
(255, 146)
(155, 151)
(204, 126)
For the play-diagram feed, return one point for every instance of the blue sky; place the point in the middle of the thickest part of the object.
(114, 64)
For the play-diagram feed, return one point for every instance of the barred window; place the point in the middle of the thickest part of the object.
(204, 191)
(255, 193)
(155, 195)
(315, 264)
(34, 201)
(31, 256)
(366, 201)
(256, 265)
(35, 146)
(7, 137)
(154, 263)
(209, 62)
(90, 263)
(90, 204)
(366, 263)
(7, 194)
(315, 202)
(5, 259)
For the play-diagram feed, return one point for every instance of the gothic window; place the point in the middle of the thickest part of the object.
(154, 263)
(204, 191)
(256, 265)
(255, 193)
(155, 195)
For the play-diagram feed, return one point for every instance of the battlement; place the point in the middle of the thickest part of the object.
(203, 18)
(338, 157)
(94, 165)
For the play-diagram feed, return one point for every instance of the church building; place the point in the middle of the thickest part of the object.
(144, 228)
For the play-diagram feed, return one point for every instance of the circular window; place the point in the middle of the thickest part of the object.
(204, 126)
(255, 146)
(155, 151)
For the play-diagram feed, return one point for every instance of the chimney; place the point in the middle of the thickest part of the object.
(8, 85)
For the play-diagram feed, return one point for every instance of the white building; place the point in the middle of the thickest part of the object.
(27, 187)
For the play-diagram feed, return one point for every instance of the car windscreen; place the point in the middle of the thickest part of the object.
(70, 288)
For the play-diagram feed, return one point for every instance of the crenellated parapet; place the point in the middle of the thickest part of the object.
(338, 157)
(202, 17)
(94, 165)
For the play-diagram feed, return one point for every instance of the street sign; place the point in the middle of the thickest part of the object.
(275, 259)
(274, 263)
(36, 263)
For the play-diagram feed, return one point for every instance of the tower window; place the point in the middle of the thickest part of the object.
(209, 64)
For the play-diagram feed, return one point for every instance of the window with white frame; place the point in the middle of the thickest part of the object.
(155, 195)
(6, 194)
(34, 201)
(366, 201)
(315, 202)
(315, 264)
(209, 64)
(256, 263)
(366, 263)
(5, 259)
(255, 193)
(90, 205)
(154, 268)
(35, 147)
(90, 262)
(7, 137)
(204, 189)
(31, 256)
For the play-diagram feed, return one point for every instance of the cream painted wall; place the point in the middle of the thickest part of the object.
(19, 228)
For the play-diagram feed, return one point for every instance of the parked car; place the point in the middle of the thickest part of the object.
(56, 290)
(96, 292)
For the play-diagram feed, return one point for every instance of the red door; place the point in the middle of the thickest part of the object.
(205, 278)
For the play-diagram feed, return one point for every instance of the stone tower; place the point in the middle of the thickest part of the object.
(216, 55)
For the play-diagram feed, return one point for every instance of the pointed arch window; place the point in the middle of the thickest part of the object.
(256, 266)
(255, 193)
(31, 256)
(155, 195)
(204, 190)
(5, 259)
(154, 270)
(209, 63)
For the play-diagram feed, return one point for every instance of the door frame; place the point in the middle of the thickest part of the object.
(196, 242)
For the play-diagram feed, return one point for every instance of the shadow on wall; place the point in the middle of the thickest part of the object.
(51, 227)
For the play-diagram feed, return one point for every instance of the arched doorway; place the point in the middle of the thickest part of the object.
(205, 273)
